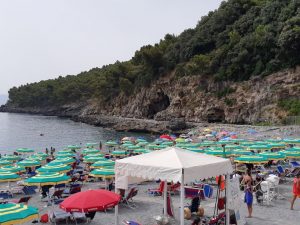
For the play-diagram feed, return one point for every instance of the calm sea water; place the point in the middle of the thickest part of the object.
(23, 131)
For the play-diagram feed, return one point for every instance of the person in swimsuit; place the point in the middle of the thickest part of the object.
(296, 190)
(247, 182)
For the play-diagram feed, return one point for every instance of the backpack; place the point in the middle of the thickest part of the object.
(44, 218)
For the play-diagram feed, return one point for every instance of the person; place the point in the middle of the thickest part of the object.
(196, 221)
(296, 190)
(247, 182)
(47, 151)
(100, 145)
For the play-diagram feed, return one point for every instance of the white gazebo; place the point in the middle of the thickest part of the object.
(170, 164)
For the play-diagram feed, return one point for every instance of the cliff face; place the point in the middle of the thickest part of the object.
(192, 99)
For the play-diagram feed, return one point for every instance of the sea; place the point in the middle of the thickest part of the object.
(40, 132)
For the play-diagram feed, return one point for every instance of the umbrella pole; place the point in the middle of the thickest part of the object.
(182, 199)
(165, 198)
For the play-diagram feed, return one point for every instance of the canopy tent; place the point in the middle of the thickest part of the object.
(170, 164)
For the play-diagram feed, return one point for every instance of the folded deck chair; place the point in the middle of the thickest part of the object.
(158, 191)
(5, 195)
(127, 200)
(295, 164)
(29, 190)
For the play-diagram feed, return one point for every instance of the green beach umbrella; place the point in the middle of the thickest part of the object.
(276, 145)
(9, 176)
(246, 143)
(103, 163)
(43, 179)
(259, 147)
(233, 147)
(28, 163)
(11, 213)
(89, 151)
(142, 144)
(103, 173)
(11, 157)
(111, 143)
(132, 147)
(254, 159)
(93, 159)
(24, 150)
(91, 145)
(54, 169)
(291, 141)
(63, 155)
(36, 157)
(207, 143)
(219, 153)
(13, 169)
(291, 154)
(4, 162)
(167, 143)
(73, 147)
(224, 142)
(196, 150)
(273, 155)
(67, 160)
(141, 151)
(119, 153)
(239, 152)
(126, 145)
(293, 149)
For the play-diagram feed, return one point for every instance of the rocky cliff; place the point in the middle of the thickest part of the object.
(173, 103)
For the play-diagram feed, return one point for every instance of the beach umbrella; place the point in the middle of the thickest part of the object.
(103, 163)
(132, 147)
(224, 142)
(103, 173)
(111, 143)
(177, 140)
(24, 150)
(293, 149)
(93, 159)
(259, 147)
(166, 137)
(73, 147)
(253, 159)
(67, 160)
(4, 162)
(89, 151)
(141, 151)
(291, 154)
(239, 152)
(11, 157)
(152, 146)
(139, 140)
(8, 176)
(125, 145)
(196, 150)
(119, 153)
(291, 141)
(207, 143)
(90, 201)
(167, 143)
(11, 213)
(142, 143)
(13, 169)
(233, 147)
(246, 143)
(63, 155)
(219, 153)
(54, 169)
(272, 155)
(28, 163)
(43, 179)
(276, 145)
(91, 145)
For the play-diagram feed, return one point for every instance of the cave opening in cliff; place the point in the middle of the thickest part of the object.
(160, 103)
(216, 115)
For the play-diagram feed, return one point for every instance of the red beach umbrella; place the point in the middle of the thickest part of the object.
(167, 137)
(90, 201)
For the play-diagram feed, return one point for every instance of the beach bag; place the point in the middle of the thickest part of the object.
(44, 218)
(187, 214)
(221, 203)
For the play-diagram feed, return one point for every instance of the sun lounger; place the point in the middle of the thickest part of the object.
(79, 216)
(58, 215)
(29, 190)
(5, 194)
(23, 200)
(174, 189)
(127, 200)
(295, 164)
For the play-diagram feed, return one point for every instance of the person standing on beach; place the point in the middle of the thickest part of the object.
(296, 190)
(247, 181)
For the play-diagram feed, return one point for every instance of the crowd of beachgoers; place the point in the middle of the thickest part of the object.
(265, 162)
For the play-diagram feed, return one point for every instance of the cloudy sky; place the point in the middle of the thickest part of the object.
(44, 39)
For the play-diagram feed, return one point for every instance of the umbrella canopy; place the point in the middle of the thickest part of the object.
(119, 153)
(103, 173)
(103, 163)
(91, 200)
(90, 151)
(93, 159)
(64, 155)
(273, 155)
(259, 147)
(91, 144)
(74, 147)
(292, 141)
(220, 153)
(166, 136)
(254, 159)
(13, 169)
(9, 176)
(131, 147)
(24, 150)
(11, 157)
(28, 163)
(141, 151)
(196, 150)
(47, 179)
(17, 214)
(67, 160)
(291, 154)
(277, 145)
(4, 162)
(111, 143)
(54, 169)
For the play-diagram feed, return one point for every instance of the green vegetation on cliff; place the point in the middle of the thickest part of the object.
(243, 38)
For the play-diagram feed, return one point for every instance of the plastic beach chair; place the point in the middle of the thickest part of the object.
(158, 191)
(23, 200)
(128, 199)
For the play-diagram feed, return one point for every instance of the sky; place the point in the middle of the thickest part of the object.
(41, 40)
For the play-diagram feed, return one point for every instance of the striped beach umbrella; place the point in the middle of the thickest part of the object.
(103, 163)
(233, 147)
(291, 154)
(11, 157)
(54, 169)
(11, 213)
(73, 147)
(91, 144)
(272, 155)
(89, 151)
(119, 153)
(259, 147)
(111, 143)
(24, 150)
(276, 145)
(4, 162)
(28, 163)
(103, 173)
(93, 159)
(67, 160)
(43, 179)
(9, 176)
(239, 152)
(219, 153)
(196, 150)
(64, 155)
(253, 159)
(291, 141)
(13, 169)
(141, 151)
